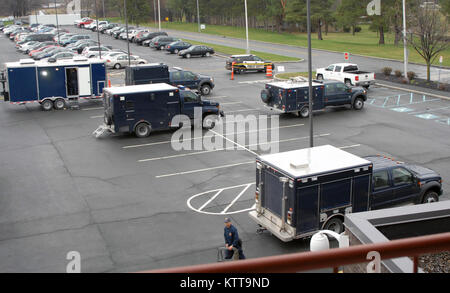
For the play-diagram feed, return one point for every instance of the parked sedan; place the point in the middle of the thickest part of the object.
(178, 46)
(198, 50)
(61, 56)
(120, 61)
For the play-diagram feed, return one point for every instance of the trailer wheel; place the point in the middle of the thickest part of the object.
(304, 112)
(47, 105)
(142, 130)
(265, 96)
(335, 224)
(59, 104)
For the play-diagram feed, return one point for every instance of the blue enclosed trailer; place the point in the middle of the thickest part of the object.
(303, 191)
(53, 84)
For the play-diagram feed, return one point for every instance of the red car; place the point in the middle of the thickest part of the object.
(83, 23)
(32, 53)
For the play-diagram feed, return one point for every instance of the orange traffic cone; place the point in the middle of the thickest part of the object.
(109, 83)
(232, 70)
(269, 72)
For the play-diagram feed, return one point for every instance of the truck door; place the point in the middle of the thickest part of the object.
(190, 101)
(382, 194)
(337, 94)
(84, 81)
(307, 206)
(405, 189)
(328, 74)
(189, 80)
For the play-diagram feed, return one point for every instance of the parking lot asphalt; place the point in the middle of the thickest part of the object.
(129, 204)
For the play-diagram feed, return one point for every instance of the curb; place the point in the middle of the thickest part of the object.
(412, 91)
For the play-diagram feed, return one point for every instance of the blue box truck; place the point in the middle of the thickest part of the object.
(53, 84)
(143, 109)
(301, 192)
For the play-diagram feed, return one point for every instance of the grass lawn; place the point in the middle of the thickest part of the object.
(288, 75)
(363, 43)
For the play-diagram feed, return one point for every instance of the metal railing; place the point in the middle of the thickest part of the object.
(333, 258)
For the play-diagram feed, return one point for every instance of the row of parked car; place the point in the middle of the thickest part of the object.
(45, 42)
(144, 37)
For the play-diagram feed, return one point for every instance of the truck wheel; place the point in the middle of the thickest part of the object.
(117, 66)
(209, 122)
(358, 104)
(304, 112)
(59, 104)
(348, 82)
(319, 76)
(335, 224)
(205, 89)
(47, 105)
(430, 197)
(142, 130)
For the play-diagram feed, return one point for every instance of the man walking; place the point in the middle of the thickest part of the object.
(232, 242)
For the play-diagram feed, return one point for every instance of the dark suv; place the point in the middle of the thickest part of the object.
(397, 183)
(160, 43)
(203, 83)
(247, 63)
(146, 38)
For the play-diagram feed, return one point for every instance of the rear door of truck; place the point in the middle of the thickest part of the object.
(307, 209)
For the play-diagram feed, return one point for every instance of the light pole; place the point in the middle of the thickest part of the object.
(405, 47)
(246, 27)
(154, 9)
(126, 28)
(98, 31)
(159, 14)
(103, 6)
(310, 90)
(198, 16)
(57, 23)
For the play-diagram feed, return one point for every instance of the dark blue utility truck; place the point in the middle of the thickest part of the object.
(142, 109)
(303, 191)
(53, 84)
(159, 72)
(293, 96)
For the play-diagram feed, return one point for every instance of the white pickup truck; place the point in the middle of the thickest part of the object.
(347, 73)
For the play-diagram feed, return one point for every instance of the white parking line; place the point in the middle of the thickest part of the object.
(210, 200)
(95, 117)
(230, 103)
(91, 109)
(235, 200)
(206, 169)
(208, 136)
(350, 146)
(243, 110)
(229, 149)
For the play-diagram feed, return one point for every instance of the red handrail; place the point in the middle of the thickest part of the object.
(305, 261)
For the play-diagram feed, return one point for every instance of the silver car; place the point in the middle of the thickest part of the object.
(120, 61)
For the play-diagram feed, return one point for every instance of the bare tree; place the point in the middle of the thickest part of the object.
(428, 37)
